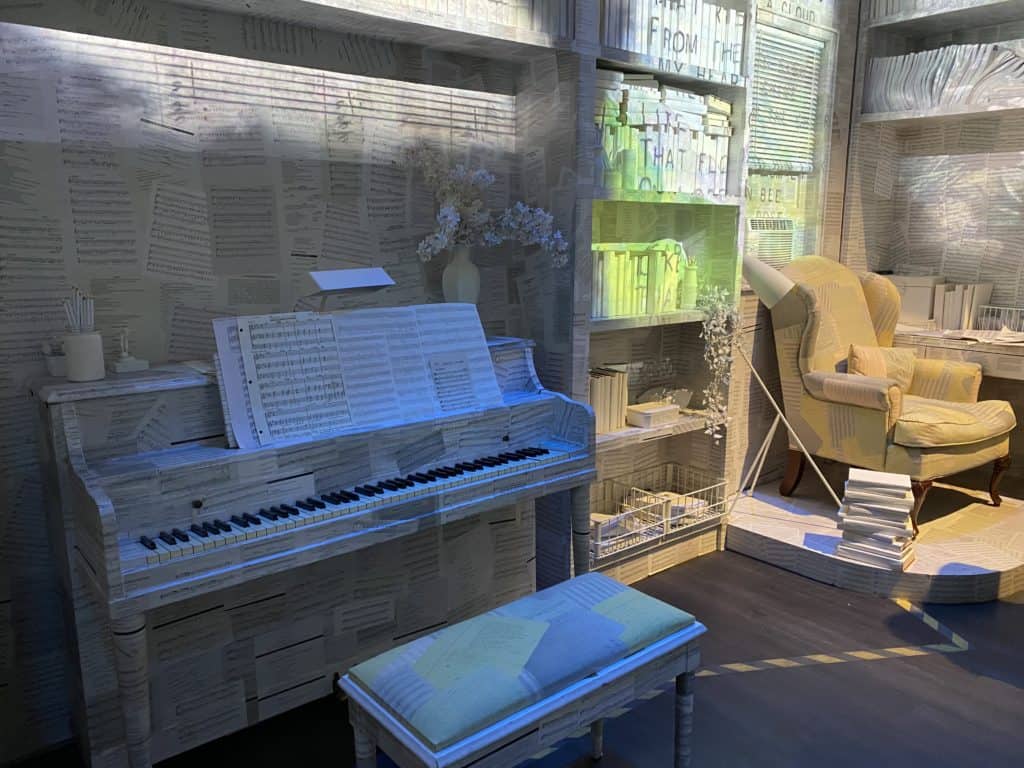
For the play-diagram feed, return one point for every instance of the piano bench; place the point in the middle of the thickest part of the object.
(501, 687)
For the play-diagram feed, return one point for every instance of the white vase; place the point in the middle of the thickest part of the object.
(688, 288)
(460, 280)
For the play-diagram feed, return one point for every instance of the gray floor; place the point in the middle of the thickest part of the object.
(963, 709)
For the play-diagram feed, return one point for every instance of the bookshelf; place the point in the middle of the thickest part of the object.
(951, 17)
(939, 116)
(661, 348)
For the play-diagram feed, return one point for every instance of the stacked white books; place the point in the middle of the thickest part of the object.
(955, 306)
(882, 8)
(875, 520)
(661, 139)
(954, 75)
(678, 33)
(609, 396)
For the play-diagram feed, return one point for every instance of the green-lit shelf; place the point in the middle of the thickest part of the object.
(598, 324)
(668, 71)
(678, 198)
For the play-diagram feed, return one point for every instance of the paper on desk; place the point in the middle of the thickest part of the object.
(1002, 336)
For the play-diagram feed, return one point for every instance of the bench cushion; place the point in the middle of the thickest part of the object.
(450, 684)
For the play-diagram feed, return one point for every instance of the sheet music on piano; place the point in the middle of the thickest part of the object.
(303, 373)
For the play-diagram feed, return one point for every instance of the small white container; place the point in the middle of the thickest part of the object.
(649, 415)
(84, 353)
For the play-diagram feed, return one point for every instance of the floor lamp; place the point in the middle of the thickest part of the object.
(771, 286)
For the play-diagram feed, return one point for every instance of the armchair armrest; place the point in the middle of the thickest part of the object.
(951, 380)
(861, 391)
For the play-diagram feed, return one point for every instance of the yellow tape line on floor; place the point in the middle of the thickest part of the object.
(956, 644)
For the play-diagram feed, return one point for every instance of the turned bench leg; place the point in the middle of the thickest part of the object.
(684, 720)
(597, 739)
(795, 463)
(366, 749)
(999, 467)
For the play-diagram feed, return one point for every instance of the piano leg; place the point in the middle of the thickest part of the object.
(133, 683)
(579, 503)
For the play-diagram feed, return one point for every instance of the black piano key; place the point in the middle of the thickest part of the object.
(304, 506)
(437, 474)
(511, 456)
(239, 521)
(198, 531)
(251, 519)
(147, 542)
(348, 495)
(317, 504)
(222, 525)
(420, 477)
(211, 528)
(498, 460)
(367, 490)
(166, 538)
(529, 451)
(288, 509)
(522, 454)
(331, 498)
(387, 485)
(267, 515)
(401, 482)
(179, 534)
(454, 470)
(487, 462)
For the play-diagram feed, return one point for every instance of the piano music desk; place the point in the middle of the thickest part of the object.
(222, 627)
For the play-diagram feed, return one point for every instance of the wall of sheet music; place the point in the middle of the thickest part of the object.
(180, 185)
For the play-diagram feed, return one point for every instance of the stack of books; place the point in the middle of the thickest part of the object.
(956, 305)
(661, 139)
(882, 8)
(875, 520)
(694, 33)
(609, 396)
(940, 77)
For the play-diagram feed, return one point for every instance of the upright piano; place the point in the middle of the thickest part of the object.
(168, 535)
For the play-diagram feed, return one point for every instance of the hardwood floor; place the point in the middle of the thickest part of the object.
(939, 709)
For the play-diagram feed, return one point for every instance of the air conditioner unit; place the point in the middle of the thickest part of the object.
(771, 240)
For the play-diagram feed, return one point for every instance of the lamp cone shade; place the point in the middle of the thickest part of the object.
(768, 283)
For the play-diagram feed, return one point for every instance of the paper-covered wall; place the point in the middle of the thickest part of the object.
(177, 184)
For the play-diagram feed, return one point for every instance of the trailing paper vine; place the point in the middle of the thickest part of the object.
(721, 320)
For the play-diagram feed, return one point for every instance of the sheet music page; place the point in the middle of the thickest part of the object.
(457, 357)
(293, 374)
(383, 365)
(231, 374)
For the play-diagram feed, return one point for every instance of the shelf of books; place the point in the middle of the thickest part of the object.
(670, 198)
(489, 28)
(921, 18)
(938, 115)
(688, 420)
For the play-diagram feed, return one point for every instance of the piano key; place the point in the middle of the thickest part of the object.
(419, 477)
(179, 534)
(166, 551)
(222, 525)
(211, 529)
(267, 515)
(252, 519)
(316, 503)
(147, 542)
(166, 538)
(304, 506)
(333, 498)
(289, 510)
(198, 531)
(349, 495)
(387, 485)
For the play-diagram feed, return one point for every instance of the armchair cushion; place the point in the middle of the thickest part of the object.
(883, 363)
(927, 423)
(949, 380)
(878, 394)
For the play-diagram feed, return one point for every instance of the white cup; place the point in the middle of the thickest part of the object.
(84, 352)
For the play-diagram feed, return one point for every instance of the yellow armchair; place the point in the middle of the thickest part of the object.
(928, 428)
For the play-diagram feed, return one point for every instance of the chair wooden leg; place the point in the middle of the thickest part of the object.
(597, 739)
(920, 488)
(999, 467)
(366, 749)
(795, 463)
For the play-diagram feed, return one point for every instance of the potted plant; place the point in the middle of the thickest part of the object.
(463, 221)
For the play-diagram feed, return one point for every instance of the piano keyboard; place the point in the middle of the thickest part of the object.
(162, 546)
